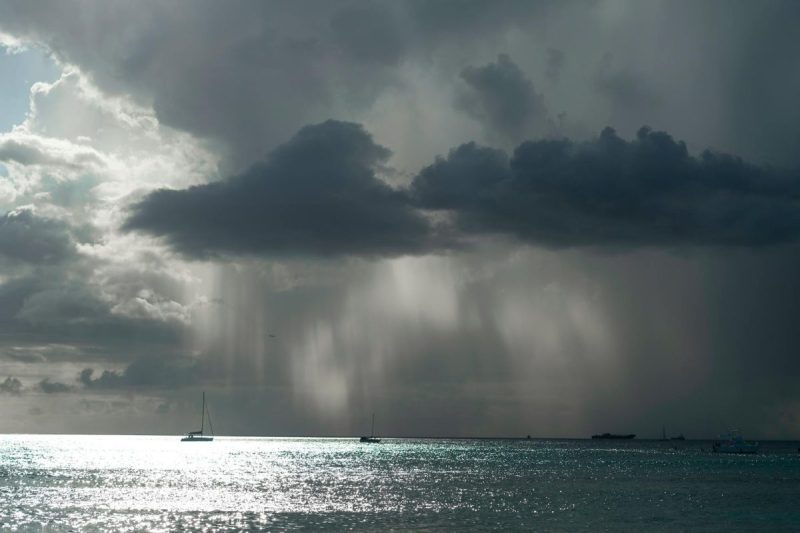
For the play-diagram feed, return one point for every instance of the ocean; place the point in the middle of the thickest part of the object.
(144, 483)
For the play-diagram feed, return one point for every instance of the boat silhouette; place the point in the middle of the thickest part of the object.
(613, 436)
(199, 436)
(664, 435)
(371, 437)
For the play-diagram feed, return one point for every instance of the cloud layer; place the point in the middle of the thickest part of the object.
(646, 192)
(502, 96)
(27, 238)
(483, 299)
(318, 195)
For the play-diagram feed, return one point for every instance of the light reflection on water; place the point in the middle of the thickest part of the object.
(105, 483)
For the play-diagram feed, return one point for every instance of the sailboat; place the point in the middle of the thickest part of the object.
(664, 435)
(371, 437)
(198, 436)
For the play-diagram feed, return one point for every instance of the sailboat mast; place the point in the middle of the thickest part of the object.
(372, 434)
(203, 414)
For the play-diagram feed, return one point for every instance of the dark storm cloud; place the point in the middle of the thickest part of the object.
(52, 307)
(648, 191)
(721, 341)
(314, 195)
(27, 238)
(318, 195)
(500, 95)
(53, 314)
(144, 372)
(247, 73)
(243, 74)
(11, 385)
(53, 387)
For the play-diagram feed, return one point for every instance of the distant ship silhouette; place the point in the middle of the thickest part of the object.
(613, 436)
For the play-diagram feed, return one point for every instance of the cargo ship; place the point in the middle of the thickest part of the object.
(613, 436)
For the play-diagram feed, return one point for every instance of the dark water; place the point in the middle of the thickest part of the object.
(87, 483)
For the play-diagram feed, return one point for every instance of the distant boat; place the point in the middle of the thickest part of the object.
(734, 443)
(371, 437)
(198, 436)
(664, 435)
(614, 436)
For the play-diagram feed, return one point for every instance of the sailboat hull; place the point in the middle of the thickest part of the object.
(197, 439)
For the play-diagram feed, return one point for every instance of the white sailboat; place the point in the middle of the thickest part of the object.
(199, 436)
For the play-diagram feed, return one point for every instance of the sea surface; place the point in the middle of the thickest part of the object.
(138, 483)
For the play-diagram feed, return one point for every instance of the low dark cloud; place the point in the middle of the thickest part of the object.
(649, 191)
(53, 387)
(11, 385)
(28, 238)
(144, 372)
(56, 314)
(317, 194)
(503, 98)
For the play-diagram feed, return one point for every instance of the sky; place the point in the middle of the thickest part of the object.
(472, 218)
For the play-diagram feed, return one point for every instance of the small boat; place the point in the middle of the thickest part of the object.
(664, 435)
(614, 436)
(734, 443)
(371, 437)
(198, 436)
